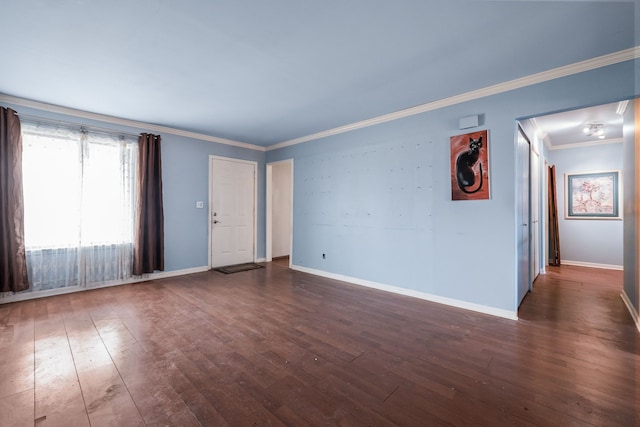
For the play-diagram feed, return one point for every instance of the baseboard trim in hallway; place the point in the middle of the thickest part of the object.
(593, 265)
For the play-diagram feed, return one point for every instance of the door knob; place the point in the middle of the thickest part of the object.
(215, 221)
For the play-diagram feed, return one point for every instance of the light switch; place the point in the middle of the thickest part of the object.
(199, 204)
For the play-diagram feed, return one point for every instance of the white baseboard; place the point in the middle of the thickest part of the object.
(592, 265)
(261, 260)
(632, 311)
(71, 289)
(512, 315)
(165, 274)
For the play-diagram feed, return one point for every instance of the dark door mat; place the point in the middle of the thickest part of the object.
(228, 269)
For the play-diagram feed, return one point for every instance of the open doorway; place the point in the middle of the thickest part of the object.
(279, 212)
(586, 142)
(586, 147)
(599, 141)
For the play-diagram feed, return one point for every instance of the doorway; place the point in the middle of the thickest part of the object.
(565, 140)
(594, 238)
(232, 213)
(279, 210)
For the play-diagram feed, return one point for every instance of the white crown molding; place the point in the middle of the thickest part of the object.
(567, 70)
(585, 144)
(123, 122)
(622, 107)
(579, 67)
(540, 134)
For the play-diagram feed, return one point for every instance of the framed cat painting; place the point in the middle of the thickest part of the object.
(470, 166)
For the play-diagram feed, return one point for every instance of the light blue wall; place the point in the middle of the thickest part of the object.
(185, 176)
(377, 201)
(590, 241)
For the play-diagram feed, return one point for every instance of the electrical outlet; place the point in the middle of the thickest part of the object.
(199, 204)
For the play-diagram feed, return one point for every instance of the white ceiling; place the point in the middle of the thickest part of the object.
(264, 72)
(566, 129)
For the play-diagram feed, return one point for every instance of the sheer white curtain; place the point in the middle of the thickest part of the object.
(79, 197)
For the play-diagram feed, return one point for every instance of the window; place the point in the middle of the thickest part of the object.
(79, 200)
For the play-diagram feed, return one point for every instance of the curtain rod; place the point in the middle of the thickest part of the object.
(36, 119)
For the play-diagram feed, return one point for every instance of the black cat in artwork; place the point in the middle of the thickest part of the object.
(465, 174)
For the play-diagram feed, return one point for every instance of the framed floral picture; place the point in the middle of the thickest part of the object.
(594, 195)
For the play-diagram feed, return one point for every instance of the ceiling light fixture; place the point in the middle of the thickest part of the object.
(594, 129)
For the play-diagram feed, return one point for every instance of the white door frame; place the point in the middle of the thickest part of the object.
(255, 203)
(269, 211)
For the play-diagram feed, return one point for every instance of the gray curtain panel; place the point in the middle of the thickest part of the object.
(13, 263)
(148, 245)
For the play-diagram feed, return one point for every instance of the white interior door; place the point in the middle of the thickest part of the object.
(535, 215)
(232, 211)
(523, 217)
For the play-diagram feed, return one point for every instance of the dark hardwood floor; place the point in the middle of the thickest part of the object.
(278, 347)
(282, 261)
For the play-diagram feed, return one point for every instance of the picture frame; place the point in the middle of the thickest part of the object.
(470, 166)
(593, 195)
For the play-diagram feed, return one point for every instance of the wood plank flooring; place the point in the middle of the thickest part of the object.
(279, 347)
